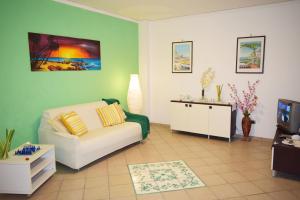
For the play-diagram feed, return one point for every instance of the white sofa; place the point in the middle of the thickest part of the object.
(76, 152)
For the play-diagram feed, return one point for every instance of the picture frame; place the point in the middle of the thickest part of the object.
(182, 57)
(250, 55)
(61, 53)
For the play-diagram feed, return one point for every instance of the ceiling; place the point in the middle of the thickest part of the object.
(163, 9)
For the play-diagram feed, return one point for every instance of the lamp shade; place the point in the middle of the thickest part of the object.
(134, 97)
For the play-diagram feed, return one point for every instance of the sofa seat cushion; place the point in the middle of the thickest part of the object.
(109, 137)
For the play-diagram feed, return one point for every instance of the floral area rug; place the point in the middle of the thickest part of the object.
(163, 176)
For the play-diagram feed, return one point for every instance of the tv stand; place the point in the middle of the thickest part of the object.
(284, 157)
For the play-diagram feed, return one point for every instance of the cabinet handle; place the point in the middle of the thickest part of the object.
(210, 107)
(186, 105)
(190, 105)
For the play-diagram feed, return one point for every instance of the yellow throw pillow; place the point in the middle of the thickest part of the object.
(120, 110)
(109, 115)
(73, 123)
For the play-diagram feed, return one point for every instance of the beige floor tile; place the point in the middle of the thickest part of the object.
(170, 157)
(135, 160)
(212, 179)
(196, 148)
(123, 179)
(187, 155)
(57, 177)
(118, 170)
(259, 197)
(233, 177)
(119, 191)
(75, 175)
(175, 195)
(296, 193)
(247, 188)
(203, 170)
(70, 194)
(204, 154)
(48, 196)
(283, 195)
(195, 162)
(49, 187)
(155, 196)
(252, 175)
(96, 182)
(259, 164)
(91, 173)
(201, 194)
(148, 159)
(222, 168)
(96, 193)
(237, 198)
(268, 185)
(72, 184)
(288, 184)
(224, 191)
(124, 198)
(213, 160)
(116, 162)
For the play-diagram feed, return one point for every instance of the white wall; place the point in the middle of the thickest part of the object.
(144, 64)
(214, 36)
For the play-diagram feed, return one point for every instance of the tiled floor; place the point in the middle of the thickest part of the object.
(237, 170)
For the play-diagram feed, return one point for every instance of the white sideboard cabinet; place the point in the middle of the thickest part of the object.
(212, 119)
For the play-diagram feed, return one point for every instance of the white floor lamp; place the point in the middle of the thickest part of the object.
(134, 98)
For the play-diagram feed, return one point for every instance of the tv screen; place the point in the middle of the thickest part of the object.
(284, 110)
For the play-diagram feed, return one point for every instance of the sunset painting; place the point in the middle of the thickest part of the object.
(59, 53)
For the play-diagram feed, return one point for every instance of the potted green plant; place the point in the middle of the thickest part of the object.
(6, 143)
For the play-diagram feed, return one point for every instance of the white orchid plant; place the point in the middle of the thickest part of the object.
(207, 77)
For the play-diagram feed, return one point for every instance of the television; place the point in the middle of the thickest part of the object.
(288, 115)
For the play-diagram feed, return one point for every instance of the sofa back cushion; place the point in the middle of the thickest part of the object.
(87, 113)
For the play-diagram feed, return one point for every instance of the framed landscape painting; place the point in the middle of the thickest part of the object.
(182, 57)
(250, 54)
(60, 53)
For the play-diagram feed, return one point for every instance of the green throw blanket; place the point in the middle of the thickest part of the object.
(130, 117)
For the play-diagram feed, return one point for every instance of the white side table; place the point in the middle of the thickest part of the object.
(21, 176)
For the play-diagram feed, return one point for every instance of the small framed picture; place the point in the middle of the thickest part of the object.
(250, 55)
(182, 57)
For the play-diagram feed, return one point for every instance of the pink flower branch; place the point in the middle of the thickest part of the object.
(248, 102)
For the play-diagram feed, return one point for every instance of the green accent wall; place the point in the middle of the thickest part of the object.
(25, 94)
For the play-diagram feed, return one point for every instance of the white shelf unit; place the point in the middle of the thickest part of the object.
(212, 119)
(21, 176)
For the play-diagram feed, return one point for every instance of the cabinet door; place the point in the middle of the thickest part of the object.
(219, 121)
(178, 116)
(198, 118)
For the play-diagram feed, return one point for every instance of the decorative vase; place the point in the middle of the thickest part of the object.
(203, 94)
(246, 126)
(219, 92)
